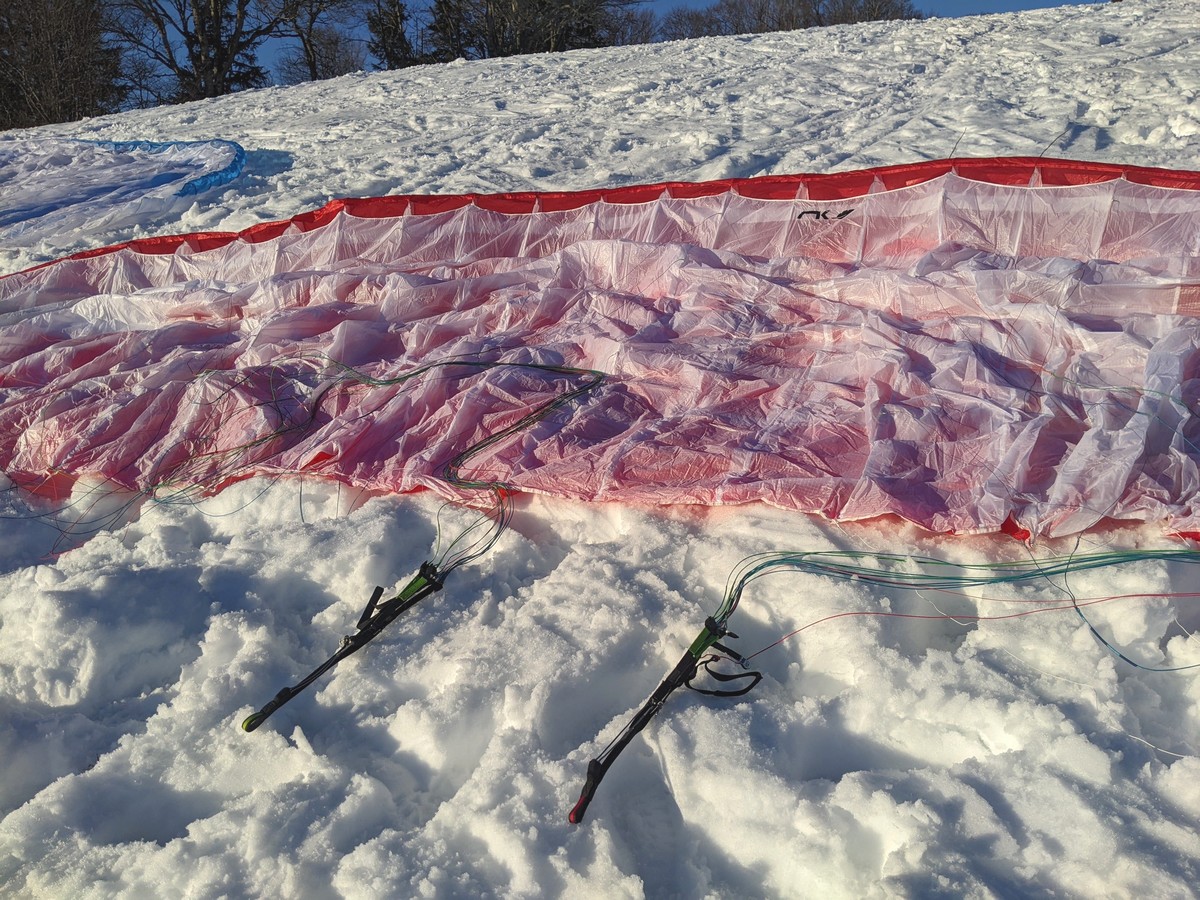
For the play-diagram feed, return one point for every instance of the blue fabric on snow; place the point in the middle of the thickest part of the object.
(55, 190)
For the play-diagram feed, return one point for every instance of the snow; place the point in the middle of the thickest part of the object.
(879, 757)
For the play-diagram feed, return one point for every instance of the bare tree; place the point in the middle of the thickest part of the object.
(480, 29)
(388, 22)
(757, 16)
(846, 12)
(327, 52)
(146, 84)
(56, 62)
(684, 22)
(321, 29)
(200, 48)
(627, 27)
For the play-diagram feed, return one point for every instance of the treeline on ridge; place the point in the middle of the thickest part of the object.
(63, 60)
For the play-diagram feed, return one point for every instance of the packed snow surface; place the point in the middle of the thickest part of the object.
(879, 757)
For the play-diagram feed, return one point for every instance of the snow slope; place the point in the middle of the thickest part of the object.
(880, 757)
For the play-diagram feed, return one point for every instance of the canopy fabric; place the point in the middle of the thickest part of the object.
(983, 345)
(55, 186)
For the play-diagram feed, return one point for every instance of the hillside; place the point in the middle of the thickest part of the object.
(879, 757)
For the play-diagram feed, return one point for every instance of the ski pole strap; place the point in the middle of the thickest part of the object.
(726, 677)
(684, 672)
(370, 610)
(375, 617)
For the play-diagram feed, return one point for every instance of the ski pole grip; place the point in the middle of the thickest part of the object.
(683, 671)
(595, 772)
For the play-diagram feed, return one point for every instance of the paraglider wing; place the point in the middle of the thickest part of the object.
(53, 188)
(970, 345)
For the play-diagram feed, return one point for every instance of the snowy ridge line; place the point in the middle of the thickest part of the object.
(816, 187)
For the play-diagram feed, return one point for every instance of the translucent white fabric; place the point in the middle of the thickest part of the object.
(55, 186)
(965, 355)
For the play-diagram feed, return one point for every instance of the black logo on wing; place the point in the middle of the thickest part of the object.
(825, 215)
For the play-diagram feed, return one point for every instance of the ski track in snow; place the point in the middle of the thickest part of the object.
(880, 757)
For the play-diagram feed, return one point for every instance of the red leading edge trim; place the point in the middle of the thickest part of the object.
(1019, 170)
